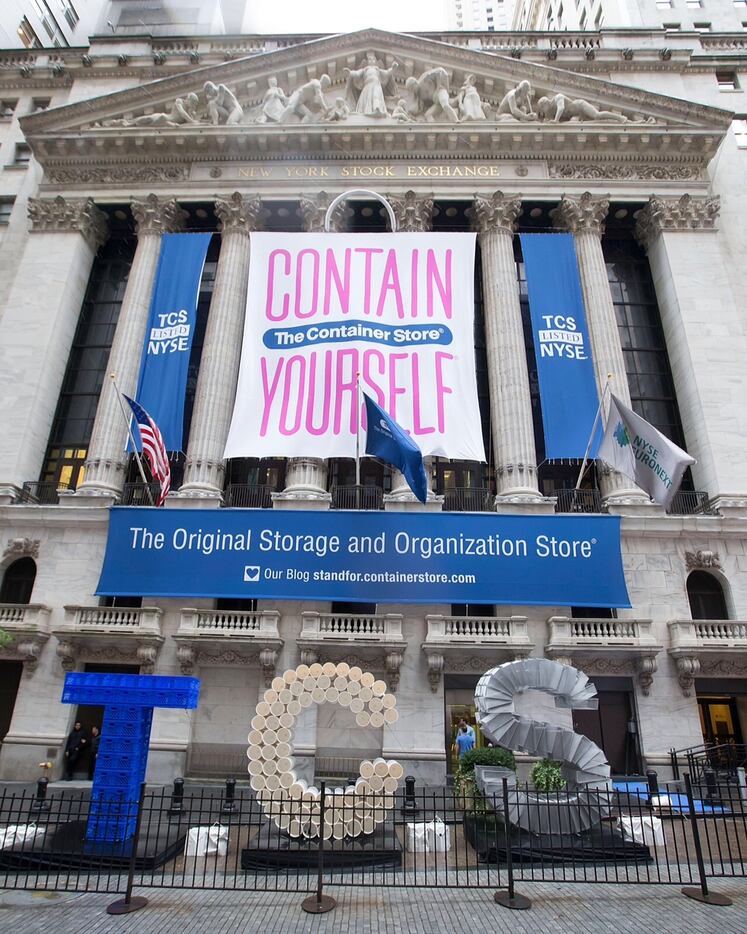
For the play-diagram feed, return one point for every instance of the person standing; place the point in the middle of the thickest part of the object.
(470, 729)
(464, 741)
(76, 743)
(93, 751)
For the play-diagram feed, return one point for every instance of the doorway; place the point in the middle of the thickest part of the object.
(719, 720)
(10, 678)
(612, 726)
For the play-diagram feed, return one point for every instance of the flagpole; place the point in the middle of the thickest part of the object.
(591, 441)
(358, 440)
(128, 423)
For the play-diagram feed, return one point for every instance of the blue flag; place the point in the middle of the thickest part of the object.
(387, 440)
(171, 327)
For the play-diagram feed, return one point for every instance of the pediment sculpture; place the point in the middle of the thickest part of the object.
(371, 91)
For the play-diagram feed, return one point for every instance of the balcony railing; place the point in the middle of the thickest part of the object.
(691, 503)
(351, 627)
(24, 617)
(41, 492)
(357, 497)
(487, 631)
(228, 624)
(708, 635)
(248, 496)
(632, 637)
(578, 501)
(103, 620)
(140, 494)
(468, 499)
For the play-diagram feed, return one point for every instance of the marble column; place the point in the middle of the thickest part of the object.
(703, 323)
(584, 218)
(508, 377)
(306, 477)
(107, 461)
(221, 353)
(414, 214)
(38, 326)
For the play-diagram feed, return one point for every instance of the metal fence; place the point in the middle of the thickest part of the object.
(431, 837)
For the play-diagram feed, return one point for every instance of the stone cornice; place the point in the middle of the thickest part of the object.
(239, 214)
(583, 214)
(154, 215)
(670, 214)
(413, 212)
(495, 214)
(55, 215)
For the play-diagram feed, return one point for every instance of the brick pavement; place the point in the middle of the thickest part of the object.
(575, 909)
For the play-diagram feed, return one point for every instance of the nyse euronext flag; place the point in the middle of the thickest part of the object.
(386, 440)
(635, 448)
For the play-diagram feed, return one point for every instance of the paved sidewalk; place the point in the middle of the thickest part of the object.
(557, 909)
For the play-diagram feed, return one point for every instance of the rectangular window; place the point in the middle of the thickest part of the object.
(39, 103)
(672, 27)
(69, 12)
(702, 27)
(22, 154)
(694, 4)
(727, 81)
(27, 35)
(663, 4)
(6, 207)
(740, 133)
(7, 108)
(582, 21)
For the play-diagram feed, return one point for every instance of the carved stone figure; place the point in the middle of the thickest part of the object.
(517, 104)
(468, 101)
(431, 94)
(340, 110)
(183, 110)
(307, 102)
(561, 109)
(222, 106)
(400, 112)
(367, 86)
(273, 103)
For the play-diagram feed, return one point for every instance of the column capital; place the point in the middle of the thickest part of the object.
(670, 214)
(413, 212)
(496, 214)
(314, 209)
(585, 213)
(52, 215)
(156, 216)
(237, 213)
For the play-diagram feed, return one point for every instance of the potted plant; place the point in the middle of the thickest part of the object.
(547, 776)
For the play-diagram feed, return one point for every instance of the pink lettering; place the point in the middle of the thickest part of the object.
(313, 276)
(268, 392)
(390, 283)
(271, 285)
(311, 390)
(294, 390)
(441, 388)
(394, 389)
(371, 357)
(342, 285)
(433, 277)
(367, 253)
(414, 284)
(345, 385)
(417, 428)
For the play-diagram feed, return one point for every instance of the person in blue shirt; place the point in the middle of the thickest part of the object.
(464, 741)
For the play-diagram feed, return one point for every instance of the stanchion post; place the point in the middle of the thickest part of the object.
(130, 903)
(700, 894)
(229, 804)
(319, 903)
(510, 898)
(177, 798)
(409, 805)
(40, 802)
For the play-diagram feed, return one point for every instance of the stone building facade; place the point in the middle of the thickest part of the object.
(645, 165)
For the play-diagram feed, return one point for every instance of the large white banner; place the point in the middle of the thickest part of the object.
(395, 308)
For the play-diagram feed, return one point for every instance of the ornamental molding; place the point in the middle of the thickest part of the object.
(703, 558)
(313, 211)
(154, 215)
(727, 668)
(413, 212)
(602, 170)
(496, 214)
(21, 548)
(64, 215)
(586, 213)
(237, 213)
(676, 214)
(114, 174)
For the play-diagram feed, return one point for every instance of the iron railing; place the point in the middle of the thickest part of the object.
(357, 497)
(42, 492)
(248, 496)
(723, 759)
(468, 499)
(140, 494)
(691, 503)
(578, 501)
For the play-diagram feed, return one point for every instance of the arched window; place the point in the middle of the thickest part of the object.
(706, 596)
(18, 581)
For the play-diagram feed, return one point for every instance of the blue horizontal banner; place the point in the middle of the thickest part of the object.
(371, 557)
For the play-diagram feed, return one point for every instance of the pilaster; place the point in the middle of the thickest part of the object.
(107, 460)
(221, 354)
(38, 326)
(584, 217)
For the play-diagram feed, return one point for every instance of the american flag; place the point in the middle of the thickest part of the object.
(153, 448)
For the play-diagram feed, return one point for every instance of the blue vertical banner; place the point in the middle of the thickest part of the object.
(565, 369)
(170, 331)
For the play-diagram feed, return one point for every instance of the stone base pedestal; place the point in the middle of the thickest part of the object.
(290, 500)
(524, 505)
(194, 499)
(101, 500)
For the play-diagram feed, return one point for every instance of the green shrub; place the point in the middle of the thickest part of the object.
(464, 779)
(547, 776)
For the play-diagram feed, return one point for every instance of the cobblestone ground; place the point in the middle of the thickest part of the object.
(576, 909)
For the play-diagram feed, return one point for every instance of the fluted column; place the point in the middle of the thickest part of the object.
(508, 378)
(37, 328)
(221, 353)
(703, 322)
(584, 218)
(414, 214)
(107, 460)
(306, 477)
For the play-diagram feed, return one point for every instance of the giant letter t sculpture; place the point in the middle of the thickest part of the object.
(128, 702)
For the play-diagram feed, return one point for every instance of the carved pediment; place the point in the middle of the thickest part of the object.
(339, 93)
